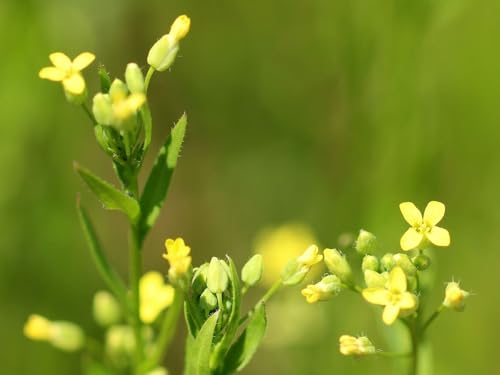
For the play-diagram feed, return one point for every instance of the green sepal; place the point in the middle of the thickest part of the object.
(104, 79)
(199, 348)
(147, 122)
(103, 267)
(158, 181)
(110, 197)
(242, 351)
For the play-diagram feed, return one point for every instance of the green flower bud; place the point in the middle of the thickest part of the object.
(370, 262)
(337, 264)
(199, 282)
(366, 243)
(252, 270)
(134, 78)
(387, 262)
(118, 90)
(162, 55)
(66, 336)
(375, 280)
(412, 283)
(158, 371)
(405, 263)
(422, 262)
(217, 278)
(106, 309)
(208, 300)
(102, 109)
(293, 273)
(120, 340)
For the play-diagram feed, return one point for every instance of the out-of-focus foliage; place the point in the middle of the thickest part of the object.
(324, 112)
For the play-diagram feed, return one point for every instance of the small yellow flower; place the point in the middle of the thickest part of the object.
(310, 257)
(155, 296)
(423, 228)
(394, 296)
(455, 296)
(67, 71)
(177, 254)
(180, 27)
(327, 288)
(358, 346)
(37, 328)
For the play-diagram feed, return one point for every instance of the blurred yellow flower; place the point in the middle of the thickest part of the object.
(37, 328)
(177, 254)
(423, 227)
(278, 245)
(155, 296)
(358, 346)
(394, 296)
(67, 71)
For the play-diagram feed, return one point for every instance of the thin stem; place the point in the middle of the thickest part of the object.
(393, 354)
(271, 291)
(135, 268)
(149, 74)
(432, 318)
(89, 113)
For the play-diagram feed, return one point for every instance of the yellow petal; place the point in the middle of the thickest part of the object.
(165, 296)
(60, 61)
(408, 301)
(74, 84)
(136, 100)
(411, 239)
(439, 236)
(411, 213)
(390, 314)
(377, 296)
(83, 60)
(434, 212)
(52, 74)
(397, 280)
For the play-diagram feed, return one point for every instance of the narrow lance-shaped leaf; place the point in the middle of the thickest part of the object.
(242, 351)
(107, 273)
(199, 349)
(158, 181)
(110, 197)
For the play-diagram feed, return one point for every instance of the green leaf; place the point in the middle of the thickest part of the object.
(105, 270)
(158, 181)
(110, 197)
(242, 351)
(199, 349)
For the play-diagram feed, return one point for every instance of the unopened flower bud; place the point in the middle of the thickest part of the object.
(422, 262)
(208, 300)
(66, 336)
(102, 109)
(366, 243)
(327, 288)
(337, 264)
(37, 328)
(158, 371)
(120, 340)
(106, 309)
(180, 27)
(252, 270)
(405, 263)
(356, 346)
(387, 262)
(370, 262)
(375, 280)
(134, 78)
(412, 283)
(199, 282)
(310, 257)
(162, 55)
(455, 297)
(296, 270)
(217, 279)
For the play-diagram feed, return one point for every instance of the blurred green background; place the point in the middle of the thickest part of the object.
(325, 112)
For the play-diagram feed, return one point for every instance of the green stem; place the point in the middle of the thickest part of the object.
(149, 74)
(89, 113)
(271, 291)
(135, 267)
(393, 354)
(432, 318)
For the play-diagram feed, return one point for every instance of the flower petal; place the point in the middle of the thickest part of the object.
(83, 60)
(74, 84)
(397, 280)
(410, 239)
(434, 212)
(60, 61)
(52, 74)
(390, 314)
(411, 213)
(408, 301)
(439, 236)
(377, 296)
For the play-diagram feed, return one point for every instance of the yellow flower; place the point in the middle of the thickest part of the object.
(37, 328)
(455, 296)
(177, 254)
(155, 296)
(394, 296)
(327, 288)
(358, 346)
(67, 71)
(310, 257)
(423, 228)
